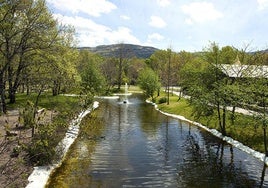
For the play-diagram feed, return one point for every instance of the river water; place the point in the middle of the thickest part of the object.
(133, 145)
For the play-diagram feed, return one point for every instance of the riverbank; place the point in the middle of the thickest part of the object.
(242, 126)
(14, 169)
(15, 138)
(40, 175)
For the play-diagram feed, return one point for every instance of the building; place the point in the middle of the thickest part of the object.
(237, 70)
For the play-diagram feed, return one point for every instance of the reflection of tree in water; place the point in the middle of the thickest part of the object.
(210, 161)
(263, 175)
(151, 121)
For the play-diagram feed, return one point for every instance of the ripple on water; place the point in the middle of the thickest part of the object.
(142, 148)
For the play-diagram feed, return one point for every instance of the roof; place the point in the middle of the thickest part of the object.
(244, 71)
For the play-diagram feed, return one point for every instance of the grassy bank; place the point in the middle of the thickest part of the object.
(65, 108)
(59, 103)
(246, 129)
(20, 152)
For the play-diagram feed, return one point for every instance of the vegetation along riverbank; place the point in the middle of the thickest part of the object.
(20, 151)
(240, 130)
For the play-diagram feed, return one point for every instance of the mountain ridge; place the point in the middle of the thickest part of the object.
(123, 50)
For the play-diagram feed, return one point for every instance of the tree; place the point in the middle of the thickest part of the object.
(159, 64)
(93, 81)
(109, 70)
(63, 69)
(123, 56)
(149, 82)
(166, 64)
(208, 86)
(183, 58)
(135, 66)
(25, 27)
(229, 54)
(195, 78)
(259, 96)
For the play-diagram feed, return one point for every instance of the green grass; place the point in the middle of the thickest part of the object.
(66, 107)
(246, 129)
(131, 89)
(134, 89)
(46, 100)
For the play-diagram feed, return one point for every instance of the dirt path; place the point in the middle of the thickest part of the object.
(14, 170)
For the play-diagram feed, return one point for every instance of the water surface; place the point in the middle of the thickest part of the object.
(133, 145)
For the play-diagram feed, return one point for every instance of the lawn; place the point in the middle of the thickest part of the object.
(246, 129)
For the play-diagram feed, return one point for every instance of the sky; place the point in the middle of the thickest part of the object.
(189, 25)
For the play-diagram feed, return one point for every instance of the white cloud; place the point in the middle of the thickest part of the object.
(155, 36)
(262, 4)
(200, 12)
(157, 22)
(81, 23)
(124, 17)
(122, 34)
(90, 7)
(90, 33)
(163, 3)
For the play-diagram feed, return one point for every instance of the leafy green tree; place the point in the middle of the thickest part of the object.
(261, 95)
(229, 54)
(63, 69)
(25, 28)
(166, 64)
(109, 70)
(218, 90)
(135, 66)
(195, 78)
(149, 82)
(258, 95)
(123, 55)
(207, 85)
(159, 63)
(93, 81)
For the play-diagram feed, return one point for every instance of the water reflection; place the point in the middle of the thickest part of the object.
(214, 162)
(135, 146)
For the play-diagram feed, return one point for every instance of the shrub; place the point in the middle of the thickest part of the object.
(41, 150)
(27, 115)
(162, 100)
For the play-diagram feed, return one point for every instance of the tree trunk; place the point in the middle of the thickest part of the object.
(2, 93)
(233, 115)
(224, 120)
(12, 93)
(12, 96)
(35, 109)
(219, 115)
(27, 87)
(120, 73)
(264, 125)
(55, 89)
(265, 141)
(13, 86)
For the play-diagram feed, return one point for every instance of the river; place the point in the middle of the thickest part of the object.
(133, 145)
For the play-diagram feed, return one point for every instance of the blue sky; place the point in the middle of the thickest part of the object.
(177, 24)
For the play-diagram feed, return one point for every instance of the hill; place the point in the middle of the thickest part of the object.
(127, 50)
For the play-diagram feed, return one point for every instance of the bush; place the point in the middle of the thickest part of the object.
(162, 100)
(42, 148)
(27, 115)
